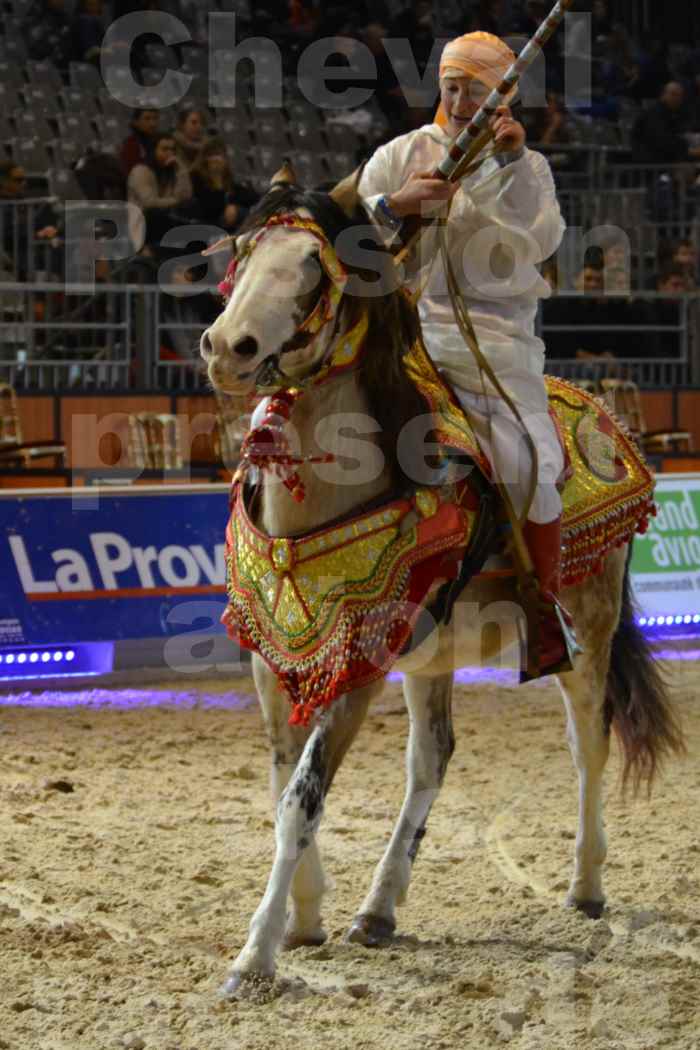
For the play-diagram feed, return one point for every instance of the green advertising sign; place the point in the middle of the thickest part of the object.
(666, 559)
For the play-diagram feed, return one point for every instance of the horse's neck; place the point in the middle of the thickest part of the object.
(331, 491)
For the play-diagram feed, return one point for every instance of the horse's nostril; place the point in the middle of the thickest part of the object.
(205, 344)
(247, 347)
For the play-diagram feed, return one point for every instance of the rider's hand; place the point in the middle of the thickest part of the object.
(508, 135)
(418, 191)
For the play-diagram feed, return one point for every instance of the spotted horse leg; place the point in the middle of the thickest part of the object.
(304, 925)
(299, 812)
(430, 747)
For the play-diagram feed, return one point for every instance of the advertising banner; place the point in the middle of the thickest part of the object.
(148, 561)
(666, 559)
(134, 562)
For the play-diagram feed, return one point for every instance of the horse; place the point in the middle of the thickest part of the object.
(264, 344)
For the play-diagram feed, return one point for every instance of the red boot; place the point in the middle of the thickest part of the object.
(556, 645)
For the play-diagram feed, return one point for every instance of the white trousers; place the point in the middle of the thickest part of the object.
(502, 440)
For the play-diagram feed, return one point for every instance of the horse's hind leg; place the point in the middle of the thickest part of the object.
(595, 607)
(430, 747)
(304, 925)
(299, 813)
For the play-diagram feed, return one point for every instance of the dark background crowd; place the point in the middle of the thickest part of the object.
(629, 91)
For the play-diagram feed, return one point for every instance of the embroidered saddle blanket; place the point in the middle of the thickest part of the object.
(331, 611)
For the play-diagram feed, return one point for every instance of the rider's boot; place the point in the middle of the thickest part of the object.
(557, 644)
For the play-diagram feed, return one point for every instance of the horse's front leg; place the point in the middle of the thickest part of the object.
(430, 747)
(304, 925)
(299, 813)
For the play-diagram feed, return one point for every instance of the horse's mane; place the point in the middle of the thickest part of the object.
(393, 321)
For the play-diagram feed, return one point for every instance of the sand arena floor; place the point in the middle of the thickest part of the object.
(122, 900)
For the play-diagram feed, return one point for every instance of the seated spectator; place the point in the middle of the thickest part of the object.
(591, 309)
(47, 29)
(88, 28)
(189, 135)
(144, 125)
(658, 133)
(159, 187)
(671, 282)
(682, 255)
(220, 200)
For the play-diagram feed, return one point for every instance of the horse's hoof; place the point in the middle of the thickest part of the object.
(593, 909)
(254, 986)
(371, 930)
(299, 940)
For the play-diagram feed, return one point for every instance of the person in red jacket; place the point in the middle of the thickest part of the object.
(144, 127)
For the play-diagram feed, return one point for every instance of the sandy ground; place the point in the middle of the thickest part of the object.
(122, 900)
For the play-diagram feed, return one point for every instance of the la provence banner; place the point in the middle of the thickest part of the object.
(134, 563)
(148, 562)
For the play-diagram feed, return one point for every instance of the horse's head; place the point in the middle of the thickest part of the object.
(283, 289)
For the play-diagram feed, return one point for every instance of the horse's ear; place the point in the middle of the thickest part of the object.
(346, 194)
(286, 176)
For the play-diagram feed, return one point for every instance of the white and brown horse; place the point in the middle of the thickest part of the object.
(255, 343)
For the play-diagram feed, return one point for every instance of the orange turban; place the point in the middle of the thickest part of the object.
(482, 56)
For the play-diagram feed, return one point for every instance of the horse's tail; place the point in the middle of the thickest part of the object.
(637, 704)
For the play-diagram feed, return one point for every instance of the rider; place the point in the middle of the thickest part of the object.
(503, 219)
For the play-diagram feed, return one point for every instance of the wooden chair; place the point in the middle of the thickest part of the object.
(14, 452)
(625, 401)
(154, 441)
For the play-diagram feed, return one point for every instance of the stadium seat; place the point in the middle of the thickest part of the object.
(624, 398)
(85, 77)
(32, 155)
(43, 74)
(64, 185)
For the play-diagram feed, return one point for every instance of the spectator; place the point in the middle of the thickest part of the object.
(221, 201)
(592, 309)
(658, 134)
(15, 221)
(671, 283)
(159, 187)
(88, 27)
(48, 32)
(189, 135)
(144, 126)
(682, 255)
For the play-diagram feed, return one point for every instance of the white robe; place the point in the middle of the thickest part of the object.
(503, 221)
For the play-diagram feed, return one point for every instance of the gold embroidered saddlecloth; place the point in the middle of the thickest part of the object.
(331, 611)
(610, 495)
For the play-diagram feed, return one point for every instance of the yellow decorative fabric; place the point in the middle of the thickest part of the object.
(610, 494)
(330, 612)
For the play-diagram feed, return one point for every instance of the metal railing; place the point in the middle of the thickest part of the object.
(119, 337)
(23, 255)
(670, 190)
(591, 348)
(56, 336)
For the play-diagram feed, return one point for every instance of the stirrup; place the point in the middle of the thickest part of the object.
(573, 648)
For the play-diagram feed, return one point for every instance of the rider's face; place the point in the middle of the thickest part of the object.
(461, 97)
